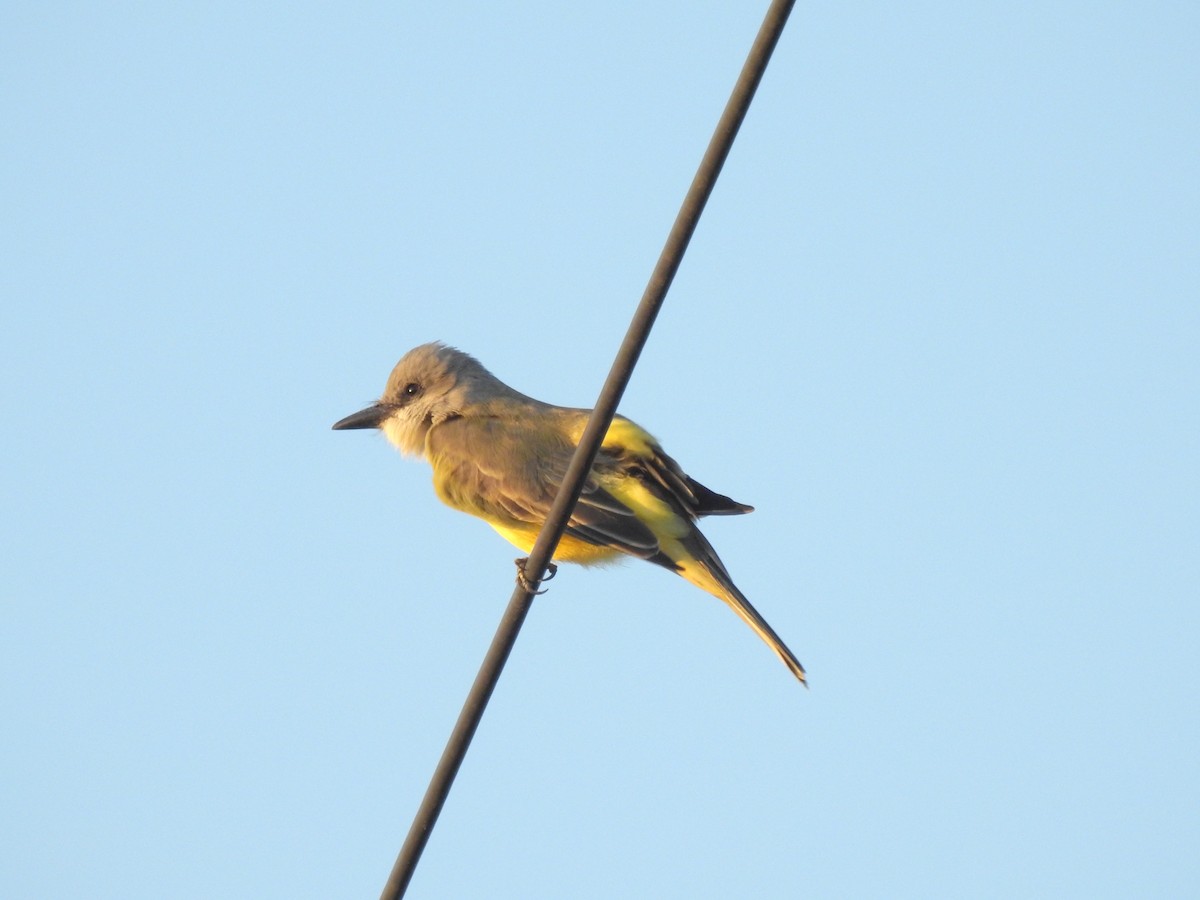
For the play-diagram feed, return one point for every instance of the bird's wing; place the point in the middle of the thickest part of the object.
(508, 471)
(633, 449)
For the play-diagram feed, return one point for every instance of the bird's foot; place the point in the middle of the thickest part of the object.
(551, 571)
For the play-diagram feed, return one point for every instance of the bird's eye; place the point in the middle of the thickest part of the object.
(412, 389)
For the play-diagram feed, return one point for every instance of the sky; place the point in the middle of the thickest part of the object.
(939, 325)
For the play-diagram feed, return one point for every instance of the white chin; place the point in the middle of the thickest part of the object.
(403, 436)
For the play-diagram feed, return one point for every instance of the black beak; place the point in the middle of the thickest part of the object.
(371, 417)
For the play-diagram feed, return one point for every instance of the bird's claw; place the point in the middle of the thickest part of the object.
(551, 571)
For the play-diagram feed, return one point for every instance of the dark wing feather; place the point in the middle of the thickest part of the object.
(690, 497)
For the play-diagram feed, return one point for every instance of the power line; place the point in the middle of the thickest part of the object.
(589, 444)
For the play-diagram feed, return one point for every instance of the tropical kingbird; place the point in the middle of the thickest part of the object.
(500, 455)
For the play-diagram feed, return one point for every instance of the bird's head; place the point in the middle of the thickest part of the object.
(430, 384)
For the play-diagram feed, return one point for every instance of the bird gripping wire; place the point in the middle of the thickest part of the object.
(589, 444)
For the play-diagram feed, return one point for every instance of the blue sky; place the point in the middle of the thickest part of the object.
(939, 325)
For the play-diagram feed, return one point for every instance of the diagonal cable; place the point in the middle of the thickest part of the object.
(589, 446)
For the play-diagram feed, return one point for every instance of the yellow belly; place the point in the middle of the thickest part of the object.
(570, 549)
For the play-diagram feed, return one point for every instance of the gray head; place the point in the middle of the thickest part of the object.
(430, 384)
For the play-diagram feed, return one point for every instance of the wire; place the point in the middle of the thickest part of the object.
(589, 444)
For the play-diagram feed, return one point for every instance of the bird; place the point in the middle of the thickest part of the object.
(501, 455)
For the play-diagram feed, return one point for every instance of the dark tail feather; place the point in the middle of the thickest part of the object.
(737, 600)
(709, 573)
